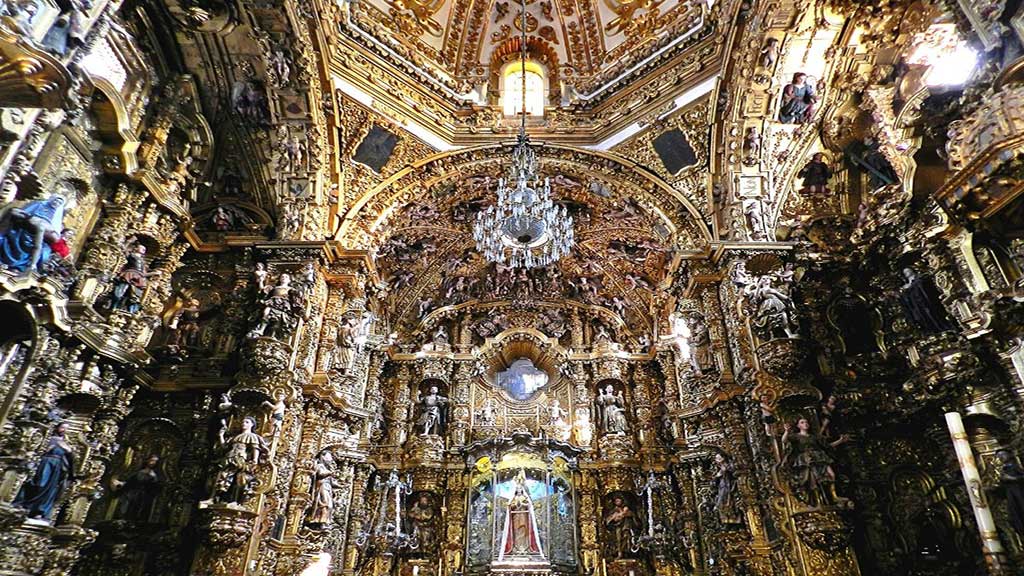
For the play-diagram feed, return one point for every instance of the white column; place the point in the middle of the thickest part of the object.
(990, 544)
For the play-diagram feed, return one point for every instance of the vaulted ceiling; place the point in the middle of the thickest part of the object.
(608, 63)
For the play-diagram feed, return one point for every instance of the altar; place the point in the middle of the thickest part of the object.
(521, 506)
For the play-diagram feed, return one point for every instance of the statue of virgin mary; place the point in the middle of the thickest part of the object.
(520, 539)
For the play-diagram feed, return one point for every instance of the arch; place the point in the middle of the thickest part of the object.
(113, 122)
(537, 50)
(22, 326)
(371, 211)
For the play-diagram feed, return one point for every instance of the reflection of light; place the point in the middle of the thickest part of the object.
(513, 97)
(681, 333)
(321, 565)
(950, 59)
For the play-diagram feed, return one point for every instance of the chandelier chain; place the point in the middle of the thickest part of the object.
(525, 229)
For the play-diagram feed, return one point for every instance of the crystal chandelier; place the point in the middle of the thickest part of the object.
(525, 229)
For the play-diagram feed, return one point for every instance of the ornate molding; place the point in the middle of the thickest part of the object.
(29, 77)
(985, 147)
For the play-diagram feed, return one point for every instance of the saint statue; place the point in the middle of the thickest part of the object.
(774, 312)
(323, 491)
(723, 485)
(281, 307)
(922, 303)
(520, 538)
(345, 344)
(816, 175)
(621, 524)
(136, 493)
(28, 233)
(701, 356)
(184, 326)
(432, 413)
(53, 475)
(809, 464)
(611, 409)
(131, 281)
(423, 517)
(556, 420)
(236, 479)
(798, 100)
(486, 415)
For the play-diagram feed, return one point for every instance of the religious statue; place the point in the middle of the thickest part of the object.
(829, 411)
(279, 68)
(922, 304)
(290, 220)
(137, 493)
(611, 409)
(440, 338)
(250, 102)
(277, 412)
(798, 100)
(345, 343)
(1011, 480)
(770, 53)
(621, 525)
(773, 311)
(666, 424)
(816, 175)
(751, 146)
(868, 156)
(236, 479)
(753, 219)
(701, 356)
(520, 538)
(808, 464)
(53, 475)
(281, 308)
(130, 283)
(321, 512)
(581, 427)
(556, 420)
(68, 32)
(222, 220)
(486, 416)
(224, 410)
(433, 408)
(184, 325)
(723, 486)
(423, 519)
(28, 233)
(19, 15)
(259, 277)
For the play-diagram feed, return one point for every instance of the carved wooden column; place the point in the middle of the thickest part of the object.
(267, 390)
(398, 425)
(461, 410)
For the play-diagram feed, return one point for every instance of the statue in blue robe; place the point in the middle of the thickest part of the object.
(22, 233)
(41, 493)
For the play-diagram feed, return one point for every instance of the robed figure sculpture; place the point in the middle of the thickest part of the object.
(520, 540)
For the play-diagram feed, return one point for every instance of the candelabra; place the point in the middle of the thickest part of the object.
(385, 536)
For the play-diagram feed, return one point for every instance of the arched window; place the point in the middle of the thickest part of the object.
(512, 89)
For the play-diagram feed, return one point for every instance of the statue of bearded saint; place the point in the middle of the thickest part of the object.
(432, 413)
(520, 539)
